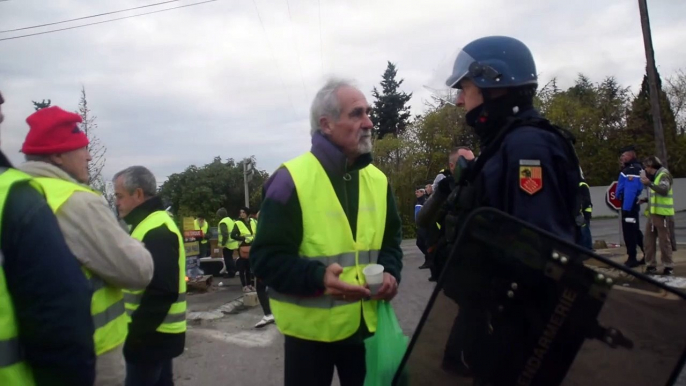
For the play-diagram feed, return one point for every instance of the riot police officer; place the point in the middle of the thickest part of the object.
(527, 167)
(629, 188)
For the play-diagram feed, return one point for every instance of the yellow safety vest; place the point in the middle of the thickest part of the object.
(245, 232)
(590, 208)
(659, 204)
(107, 302)
(13, 369)
(175, 321)
(231, 244)
(327, 238)
(204, 230)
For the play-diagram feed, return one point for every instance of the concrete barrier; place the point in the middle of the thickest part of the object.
(600, 209)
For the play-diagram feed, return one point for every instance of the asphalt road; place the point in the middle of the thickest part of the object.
(608, 229)
(229, 350)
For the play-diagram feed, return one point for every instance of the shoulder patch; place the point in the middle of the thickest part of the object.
(530, 176)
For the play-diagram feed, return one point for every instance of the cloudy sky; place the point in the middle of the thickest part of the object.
(177, 88)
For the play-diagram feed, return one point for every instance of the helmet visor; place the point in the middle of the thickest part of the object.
(460, 69)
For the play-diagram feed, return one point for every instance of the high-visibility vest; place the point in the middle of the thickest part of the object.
(245, 232)
(205, 227)
(107, 302)
(175, 321)
(659, 204)
(13, 369)
(590, 208)
(327, 238)
(231, 244)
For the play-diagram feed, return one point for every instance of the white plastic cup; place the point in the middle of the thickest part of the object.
(373, 274)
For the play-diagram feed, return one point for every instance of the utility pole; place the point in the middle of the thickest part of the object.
(248, 171)
(660, 147)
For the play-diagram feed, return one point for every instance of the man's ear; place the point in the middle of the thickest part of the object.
(326, 125)
(139, 193)
(56, 159)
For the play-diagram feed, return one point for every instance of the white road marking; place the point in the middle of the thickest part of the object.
(672, 281)
(252, 338)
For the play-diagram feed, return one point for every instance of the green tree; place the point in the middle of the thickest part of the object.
(640, 129)
(41, 105)
(203, 190)
(391, 112)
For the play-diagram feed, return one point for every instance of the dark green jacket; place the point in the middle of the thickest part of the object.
(274, 254)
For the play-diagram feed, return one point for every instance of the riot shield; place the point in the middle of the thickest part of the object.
(516, 305)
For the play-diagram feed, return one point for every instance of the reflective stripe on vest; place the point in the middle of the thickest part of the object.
(13, 369)
(107, 302)
(205, 227)
(175, 321)
(327, 237)
(659, 204)
(231, 244)
(590, 208)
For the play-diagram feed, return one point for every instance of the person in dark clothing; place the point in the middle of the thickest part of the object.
(225, 242)
(49, 295)
(584, 237)
(629, 188)
(244, 232)
(148, 351)
(340, 156)
(420, 193)
(527, 168)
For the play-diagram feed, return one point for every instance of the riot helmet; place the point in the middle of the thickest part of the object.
(494, 62)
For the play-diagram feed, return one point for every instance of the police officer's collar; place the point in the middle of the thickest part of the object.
(143, 210)
(332, 157)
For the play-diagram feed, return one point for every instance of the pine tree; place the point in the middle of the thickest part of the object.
(391, 113)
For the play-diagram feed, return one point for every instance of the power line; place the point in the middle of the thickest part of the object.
(107, 21)
(87, 17)
(276, 62)
(297, 51)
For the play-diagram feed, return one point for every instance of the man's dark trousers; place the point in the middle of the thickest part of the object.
(632, 232)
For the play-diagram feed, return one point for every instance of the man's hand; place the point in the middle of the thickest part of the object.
(645, 180)
(341, 290)
(388, 289)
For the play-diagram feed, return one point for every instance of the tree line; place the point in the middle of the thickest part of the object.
(603, 117)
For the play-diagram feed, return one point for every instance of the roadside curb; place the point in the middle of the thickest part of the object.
(234, 306)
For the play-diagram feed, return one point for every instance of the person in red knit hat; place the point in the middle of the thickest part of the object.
(57, 154)
(54, 137)
(45, 303)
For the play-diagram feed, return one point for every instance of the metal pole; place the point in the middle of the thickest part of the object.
(245, 182)
(660, 147)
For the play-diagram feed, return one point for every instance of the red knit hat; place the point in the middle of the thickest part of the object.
(53, 130)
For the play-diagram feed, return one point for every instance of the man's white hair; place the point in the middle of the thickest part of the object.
(326, 104)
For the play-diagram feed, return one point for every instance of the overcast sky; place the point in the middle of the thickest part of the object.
(177, 88)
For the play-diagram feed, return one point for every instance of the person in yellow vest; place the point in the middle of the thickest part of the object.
(244, 232)
(46, 331)
(202, 225)
(56, 151)
(226, 243)
(325, 216)
(660, 212)
(157, 331)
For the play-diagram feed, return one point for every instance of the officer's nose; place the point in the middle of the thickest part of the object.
(459, 101)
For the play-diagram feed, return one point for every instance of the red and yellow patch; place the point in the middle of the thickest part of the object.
(531, 179)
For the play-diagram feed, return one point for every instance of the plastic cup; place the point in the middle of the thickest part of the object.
(373, 274)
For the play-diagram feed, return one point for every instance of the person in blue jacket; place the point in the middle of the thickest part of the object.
(527, 168)
(629, 188)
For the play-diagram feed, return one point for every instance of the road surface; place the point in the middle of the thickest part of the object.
(608, 229)
(229, 350)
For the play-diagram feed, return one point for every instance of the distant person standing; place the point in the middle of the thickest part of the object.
(584, 217)
(660, 212)
(629, 188)
(420, 193)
